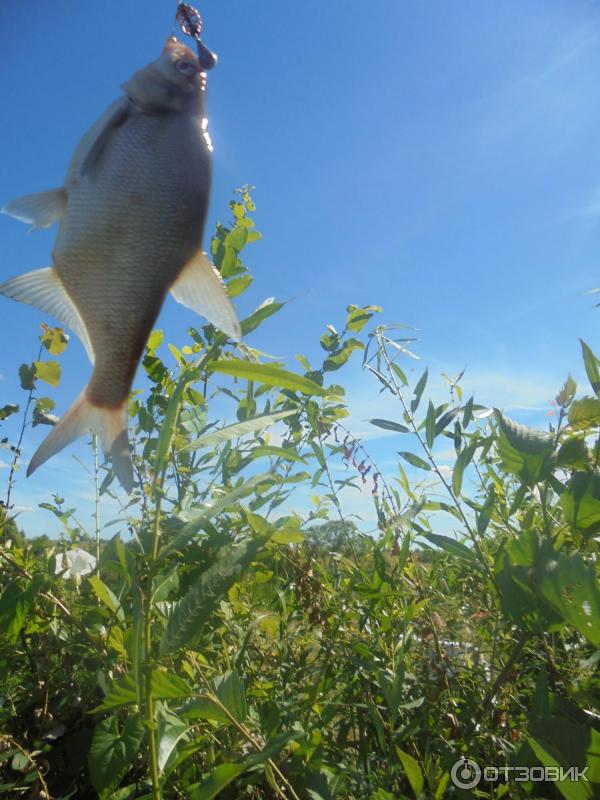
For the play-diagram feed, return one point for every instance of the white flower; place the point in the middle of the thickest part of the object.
(74, 563)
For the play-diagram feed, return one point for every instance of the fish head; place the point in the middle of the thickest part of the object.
(175, 81)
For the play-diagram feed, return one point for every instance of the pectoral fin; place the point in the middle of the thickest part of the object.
(201, 288)
(43, 289)
(40, 210)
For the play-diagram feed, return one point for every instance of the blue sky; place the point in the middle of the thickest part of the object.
(438, 159)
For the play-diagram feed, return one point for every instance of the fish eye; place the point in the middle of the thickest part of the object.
(186, 67)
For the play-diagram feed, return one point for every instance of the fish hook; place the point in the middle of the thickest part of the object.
(190, 22)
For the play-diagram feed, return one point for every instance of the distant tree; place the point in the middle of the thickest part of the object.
(9, 530)
(335, 536)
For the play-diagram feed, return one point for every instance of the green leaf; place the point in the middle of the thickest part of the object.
(581, 500)
(154, 341)
(20, 762)
(413, 771)
(463, 460)
(48, 371)
(237, 430)
(430, 424)
(106, 596)
(203, 708)
(120, 694)
(339, 357)
(267, 374)
(445, 420)
(54, 340)
(414, 403)
(230, 691)
(27, 376)
(237, 286)
(112, 751)
(484, 516)
(171, 730)
(40, 412)
(573, 453)
(285, 536)
(452, 546)
(269, 451)
(560, 750)
(191, 613)
(263, 312)
(567, 393)
(197, 520)
(218, 779)
(415, 460)
(358, 317)
(516, 580)
(7, 410)
(224, 774)
(123, 692)
(388, 425)
(592, 367)
(15, 604)
(585, 413)
(468, 413)
(523, 451)
(237, 238)
(167, 686)
(170, 420)
(399, 374)
(571, 587)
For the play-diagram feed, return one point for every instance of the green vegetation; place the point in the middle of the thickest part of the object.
(225, 646)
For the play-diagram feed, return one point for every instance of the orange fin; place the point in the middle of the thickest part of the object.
(109, 423)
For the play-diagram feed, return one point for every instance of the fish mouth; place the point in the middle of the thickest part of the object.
(206, 58)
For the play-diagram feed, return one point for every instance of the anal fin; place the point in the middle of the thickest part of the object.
(201, 288)
(40, 210)
(43, 289)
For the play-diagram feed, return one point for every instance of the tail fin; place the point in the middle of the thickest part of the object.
(109, 423)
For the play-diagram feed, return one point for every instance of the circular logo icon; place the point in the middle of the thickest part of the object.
(465, 773)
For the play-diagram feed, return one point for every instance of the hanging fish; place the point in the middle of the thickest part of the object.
(132, 214)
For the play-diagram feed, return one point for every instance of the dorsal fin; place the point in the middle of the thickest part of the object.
(117, 115)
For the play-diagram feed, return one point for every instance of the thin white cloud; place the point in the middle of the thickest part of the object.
(510, 391)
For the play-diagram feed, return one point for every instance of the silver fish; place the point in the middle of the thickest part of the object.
(132, 213)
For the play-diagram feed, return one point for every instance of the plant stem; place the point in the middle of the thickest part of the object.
(522, 641)
(148, 607)
(336, 502)
(429, 454)
(96, 501)
(17, 454)
(149, 710)
(246, 733)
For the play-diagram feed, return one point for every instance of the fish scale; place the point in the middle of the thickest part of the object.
(132, 215)
(116, 257)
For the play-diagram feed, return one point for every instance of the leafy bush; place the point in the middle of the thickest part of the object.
(220, 644)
